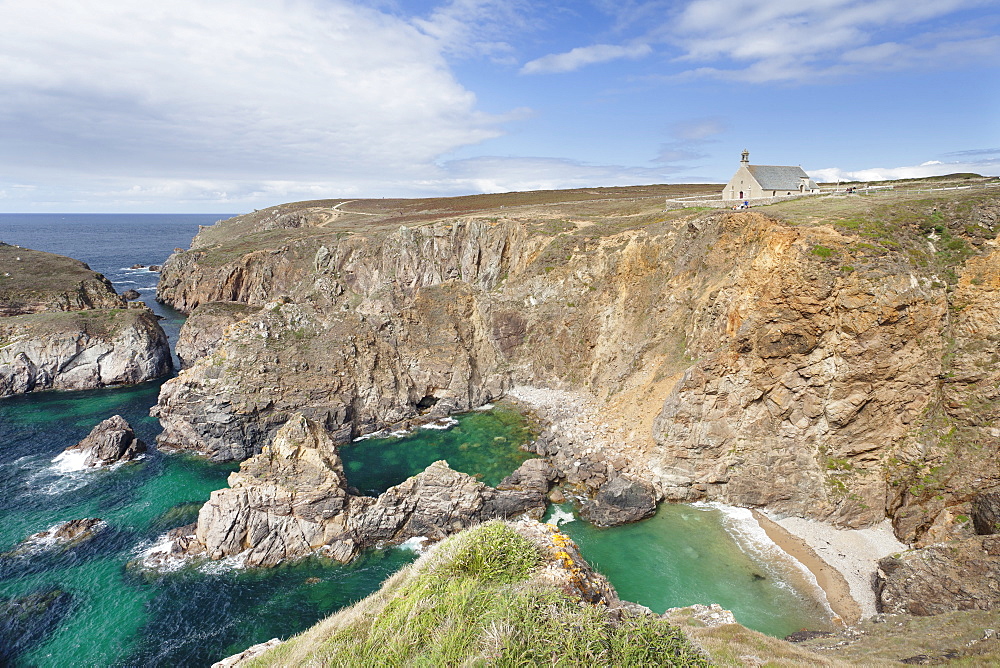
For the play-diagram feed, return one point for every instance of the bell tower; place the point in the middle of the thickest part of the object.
(745, 157)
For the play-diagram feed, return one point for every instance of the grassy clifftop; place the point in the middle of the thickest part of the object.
(498, 594)
(32, 281)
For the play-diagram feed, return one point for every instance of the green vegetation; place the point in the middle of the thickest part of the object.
(823, 251)
(477, 600)
(33, 281)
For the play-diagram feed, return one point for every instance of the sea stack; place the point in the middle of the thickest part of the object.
(111, 442)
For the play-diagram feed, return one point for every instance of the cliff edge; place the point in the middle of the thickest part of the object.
(63, 326)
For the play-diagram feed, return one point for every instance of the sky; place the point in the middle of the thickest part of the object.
(232, 105)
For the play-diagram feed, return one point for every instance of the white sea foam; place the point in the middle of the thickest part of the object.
(70, 461)
(753, 540)
(155, 555)
(418, 544)
(442, 424)
(233, 563)
(560, 516)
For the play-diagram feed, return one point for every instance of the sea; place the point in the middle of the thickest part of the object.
(93, 606)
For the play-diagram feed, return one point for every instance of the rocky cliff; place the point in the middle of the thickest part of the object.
(292, 500)
(831, 358)
(63, 327)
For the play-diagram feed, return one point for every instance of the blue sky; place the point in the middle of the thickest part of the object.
(230, 105)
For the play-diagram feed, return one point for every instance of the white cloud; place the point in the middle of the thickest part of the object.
(267, 89)
(989, 167)
(486, 174)
(787, 40)
(584, 55)
(476, 27)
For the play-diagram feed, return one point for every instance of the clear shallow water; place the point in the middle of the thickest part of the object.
(485, 444)
(687, 554)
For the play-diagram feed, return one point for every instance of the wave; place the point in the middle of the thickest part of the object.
(70, 461)
(418, 544)
(754, 541)
(561, 516)
(441, 424)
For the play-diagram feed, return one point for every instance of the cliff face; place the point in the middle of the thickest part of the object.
(827, 364)
(80, 350)
(63, 327)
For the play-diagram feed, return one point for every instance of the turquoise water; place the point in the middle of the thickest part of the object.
(689, 554)
(117, 615)
(485, 444)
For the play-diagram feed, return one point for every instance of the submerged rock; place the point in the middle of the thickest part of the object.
(110, 442)
(61, 536)
(25, 621)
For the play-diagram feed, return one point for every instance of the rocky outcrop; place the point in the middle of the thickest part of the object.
(62, 536)
(958, 575)
(279, 504)
(477, 252)
(292, 500)
(81, 350)
(33, 282)
(620, 501)
(63, 327)
(352, 373)
(205, 328)
(111, 442)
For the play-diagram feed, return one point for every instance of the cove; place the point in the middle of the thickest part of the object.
(701, 553)
(485, 444)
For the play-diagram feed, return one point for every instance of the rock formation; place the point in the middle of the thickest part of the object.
(110, 442)
(292, 500)
(34, 282)
(835, 366)
(620, 501)
(61, 536)
(958, 575)
(63, 327)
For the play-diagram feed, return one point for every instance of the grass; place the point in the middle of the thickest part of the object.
(33, 280)
(476, 600)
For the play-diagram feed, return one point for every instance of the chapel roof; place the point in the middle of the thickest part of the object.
(778, 177)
